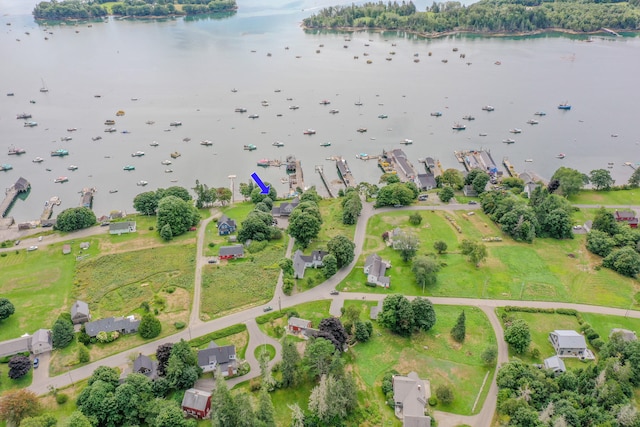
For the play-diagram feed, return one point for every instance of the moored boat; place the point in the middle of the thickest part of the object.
(13, 151)
(38, 160)
(325, 144)
(539, 113)
(61, 179)
(436, 114)
(176, 123)
(72, 129)
(137, 154)
(564, 106)
(561, 156)
(528, 160)
(166, 162)
(263, 163)
(406, 141)
(253, 116)
(278, 144)
(241, 110)
(532, 122)
(293, 107)
(96, 138)
(72, 167)
(30, 124)
(334, 111)
(458, 126)
(141, 183)
(65, 138)
(206, 143)
(110, 130)
(59, 153)
(113, 191)
(129, 168)
(154, 144)
(250, 147)
(120, 113)
(383, 116)
(325, 102)
(5, 167)
(508, 141)
(468, 117)
(23, 116)
(362, 130)
(515, 130)
(175, 155)
(488, 108)
(309, 132)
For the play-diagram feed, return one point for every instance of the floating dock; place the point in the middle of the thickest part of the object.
(48, 208)
(86, 199)
(345, 173)
(265, 163)
(320, 171)
(397, 161)
(509, 167)
(21, 186)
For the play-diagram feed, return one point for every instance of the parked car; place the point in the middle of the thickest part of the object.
(104, 224)
(423, 197)
(473, 202)
(36, 363)
(397, 206)
(212, 260)
(17, 242)
(40, 239)
(334, 292)
(267, 308)
(32, 248)
(192, 229)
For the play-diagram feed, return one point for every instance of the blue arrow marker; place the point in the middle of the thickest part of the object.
(264, 188)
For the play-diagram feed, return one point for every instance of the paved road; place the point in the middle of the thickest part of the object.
(197, 328)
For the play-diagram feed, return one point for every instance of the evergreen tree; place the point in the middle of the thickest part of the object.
(459, 331)
(265, 412)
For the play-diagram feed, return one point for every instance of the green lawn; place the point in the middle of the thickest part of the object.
(548, 269)
(39, 284)
(265, 348)
(313, 311)
(238, 212)
(603, 324)
(618, 198)
(331, 211)
(238, 284)
(7, 383)
(433, 355)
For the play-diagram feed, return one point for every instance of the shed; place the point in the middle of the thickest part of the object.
(555, 364)
(41, 341)
(66, 249)
(297, 325)
(80, 312)
(626, 334)
(196, 403)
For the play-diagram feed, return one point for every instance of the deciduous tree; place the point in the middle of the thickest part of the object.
(329, 265)
(304, 227)
(425, 269)
(517, 335)
(444, 394)
(77, 419)
(73, 219)
(601, 179)
(18, 404)
(6, 308)
(397, 315)
(570, 180)
(179, 214)
(423, 313)
(407, 244)
(343, 249)
(146, 203)
(446, 194)
(19, 366)
(46, 420)
(317, 356)
(162, 356)
(440, 246)
(625, 261)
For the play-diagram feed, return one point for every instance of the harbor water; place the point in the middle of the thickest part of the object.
(198, 71)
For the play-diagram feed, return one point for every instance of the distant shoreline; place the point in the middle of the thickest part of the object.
(480, 33)
(145, 17)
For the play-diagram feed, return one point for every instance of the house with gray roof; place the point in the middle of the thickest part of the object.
(145, 366)
(15, 346)
(196, 403)
(226, 225)
(555, 364)
(285, 208)
(41, 341)
(231, 252)
(529, 187)
(569, 343)
(425, 181)
(80, 312)
(375, 268)
(410, 395)
(301, 262)
(122, 227)
(223, 356)
(123, 325)
(626, 334)
(469, 191)
(295, 325)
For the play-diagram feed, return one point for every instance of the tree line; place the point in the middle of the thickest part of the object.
(485, 16)
(73, 9)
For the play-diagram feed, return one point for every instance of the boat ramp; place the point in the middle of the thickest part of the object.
(48, 208)
(21, 186)
(396, 161)
(345, 173)
(320, 170)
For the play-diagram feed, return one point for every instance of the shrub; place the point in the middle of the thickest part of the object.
(255, 384)
(591, 334)
(61, 398)
(597, 343)
(4, 254)
(256, 246)
(535, 353)
(83, 353)
(150, 327)
(433, 401)
(151, 228)
(211, 244)
(444, 394)
(170, 289)
(567, 311)
(179, 325)
(584, 327)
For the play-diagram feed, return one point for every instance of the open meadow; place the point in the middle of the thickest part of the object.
(546, 270)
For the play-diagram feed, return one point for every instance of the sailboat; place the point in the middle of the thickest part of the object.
(44, 88)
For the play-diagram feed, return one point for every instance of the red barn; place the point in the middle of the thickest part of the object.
(196, 403)
(297, 325)
(627, 216)
(231, 252)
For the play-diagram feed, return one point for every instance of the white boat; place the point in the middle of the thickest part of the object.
(166, 162)
(141, 183)
(72, 167)
(137, 154)
(532, 122)
(154, 144)
(488, 108)
(561, 156)
(38, 160)
(61, 179)
(406, 141)
(528, 160)
(508, 141)
(206, 142)
(278, 144)
(515, 130)
(176, 123)
(168, 170)
(334, 111)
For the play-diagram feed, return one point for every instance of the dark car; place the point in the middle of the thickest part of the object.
(334, 292)
(267, 308)
(212, 261)
(17, 242)
(473, 202)
(423, 197)
(36, 363)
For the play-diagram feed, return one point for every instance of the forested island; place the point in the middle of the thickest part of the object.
(74, 9)
(485, 16)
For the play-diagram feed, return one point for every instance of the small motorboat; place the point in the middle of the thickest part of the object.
(129, 168)
(149, 122)
(253, 116)
(110, 130)
(383, 116)
(23, 116)
(206, 143)
(406, 141)
(175, 155)
(325, 144)
(539, 113)
(309, 132)
(482, 134)
(362, 130)
(334, 111)
(61, 179)
(168, 170)
(564, 106)
(515, 130)
(141, 183)
(528, 160)
(468, 118)
(154, 144)
(109, 122)
(532, 122)
(113, 191)
(508, 141)
(72, 129)
(561, 156)
(120, 113)
(250, 147)
(278, 144)
(38, 160)
(166, 162)
(176, 123)
(458, 126)
(96, 138)
(436, 114)
(72, 167)
(293, 107)
(488, 108)
(65, 138)
(241, 110)
(325, 102)
(137, 154)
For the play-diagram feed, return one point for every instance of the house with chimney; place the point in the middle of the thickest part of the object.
(196, 403)
(80, 312)
(410, 396)
(376, 269)
(301, 262)
(214, 356)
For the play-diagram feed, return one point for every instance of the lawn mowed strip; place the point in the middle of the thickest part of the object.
(547, 270)
(616, 198)
(236, 284)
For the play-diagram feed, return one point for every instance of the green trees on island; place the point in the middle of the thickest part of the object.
(71, 9)
(485, 16)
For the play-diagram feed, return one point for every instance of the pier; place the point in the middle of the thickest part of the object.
(296, 177)
(48, 208)
(510, 169)
(345, 173)
(477, 159)
(86, 198)
(320, 171)
(397, 161)
(21, 186)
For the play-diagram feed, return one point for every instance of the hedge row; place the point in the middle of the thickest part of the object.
(231, 330)
(261, 320)
(565, 311)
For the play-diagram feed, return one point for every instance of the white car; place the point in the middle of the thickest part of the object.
(32, 248)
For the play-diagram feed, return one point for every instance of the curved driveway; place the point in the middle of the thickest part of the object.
(198, 328)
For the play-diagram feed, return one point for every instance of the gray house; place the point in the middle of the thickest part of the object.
(301, 261)
(425, 181)
(626, 334)
(123, 325)
(122, 227)
(226, 225)
(375, 268)
(213, 356)
(80, 312)
(41, 341)
(569, 343)
(555, 364)
(410, 395)
(469, 191)
(145, 366)
(285, 208)
(231, 252)
(15, 346)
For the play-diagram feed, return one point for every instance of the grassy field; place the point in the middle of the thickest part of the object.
(265, 348)
(433, 355)
(548, 269)
(39, 284)
(331, 211)
(618, 198)
(603, 324)
(238, 284)
(7, 383)
(238, 212)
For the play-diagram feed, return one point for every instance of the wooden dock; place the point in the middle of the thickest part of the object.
(296, 177)
(320, 171)
(21, 186)
(477, 159)
(48, 208)
(509, 167)
(399, 164)
(345, 173)
(86, 198)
